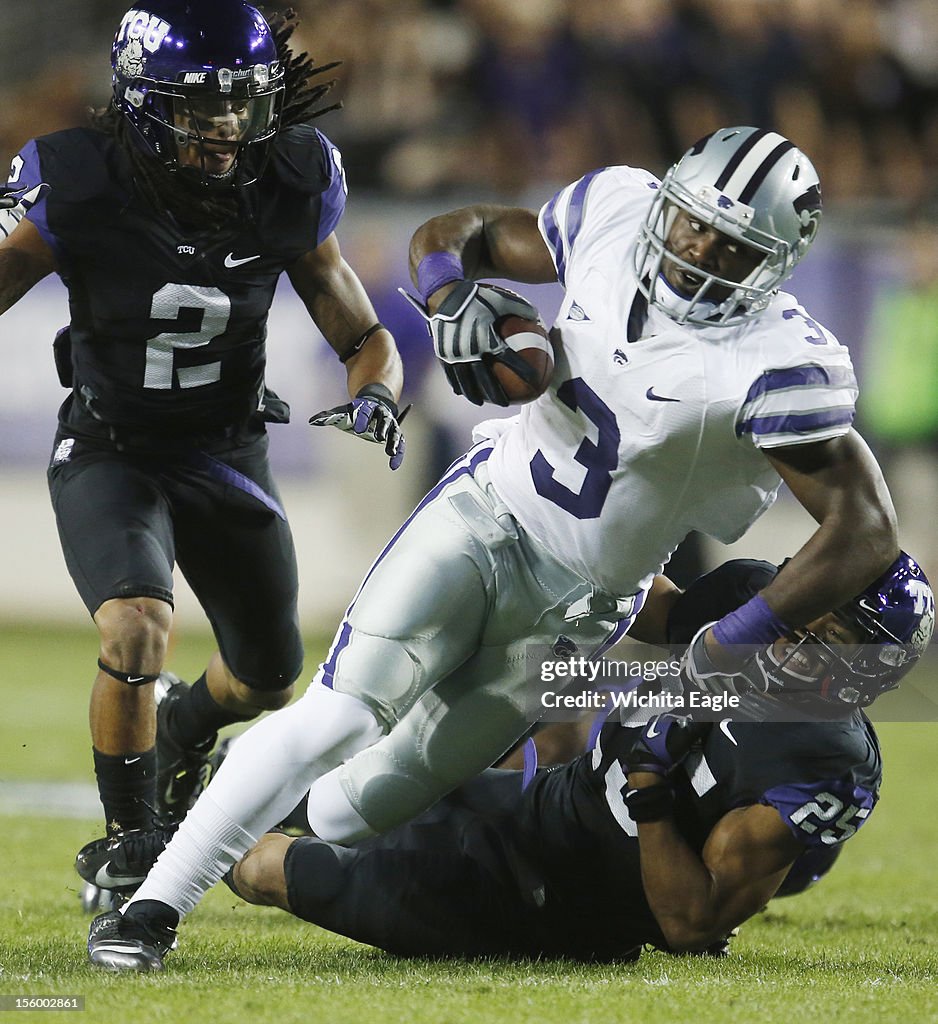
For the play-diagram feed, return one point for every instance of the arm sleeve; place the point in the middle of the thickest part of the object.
(335, 192)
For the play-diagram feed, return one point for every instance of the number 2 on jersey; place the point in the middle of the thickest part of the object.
(168, 303)
(600, 457)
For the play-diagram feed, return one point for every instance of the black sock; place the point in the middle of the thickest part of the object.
(127, 787)
(196, 716)
(228, 879)
(298, 819)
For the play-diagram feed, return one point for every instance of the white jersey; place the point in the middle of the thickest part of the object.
(636, 443)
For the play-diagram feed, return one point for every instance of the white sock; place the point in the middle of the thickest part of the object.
(268, 770)
(203, 849)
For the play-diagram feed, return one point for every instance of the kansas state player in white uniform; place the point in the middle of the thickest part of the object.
(685, 387)
(656, 434)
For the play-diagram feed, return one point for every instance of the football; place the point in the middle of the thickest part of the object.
(529, 339)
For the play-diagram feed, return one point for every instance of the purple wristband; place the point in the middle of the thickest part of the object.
(752, 623)
(437, 269)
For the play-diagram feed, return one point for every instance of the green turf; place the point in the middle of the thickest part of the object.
(46, 680)
(862, 946)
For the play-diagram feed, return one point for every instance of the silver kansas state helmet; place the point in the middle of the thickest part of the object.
(753, 185)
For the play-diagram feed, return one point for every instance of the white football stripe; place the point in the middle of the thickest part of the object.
(527, 339)
(750, 164)
(807, 400)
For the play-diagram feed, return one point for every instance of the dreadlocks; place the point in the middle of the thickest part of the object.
(189, 201)
(300, 96)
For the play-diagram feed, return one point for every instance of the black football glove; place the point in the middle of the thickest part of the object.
(372, 415)
(663, 743)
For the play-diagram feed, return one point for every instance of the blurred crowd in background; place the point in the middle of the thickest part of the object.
(452, 101)
(495, 95)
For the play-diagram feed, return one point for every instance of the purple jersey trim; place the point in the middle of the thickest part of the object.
(460, 467)
(226, 475)
(333, 198)
(29, 188)
(796, 423)
(552, 230)
(821, 814)
(801, 377)
(530, 762)
(575, 214)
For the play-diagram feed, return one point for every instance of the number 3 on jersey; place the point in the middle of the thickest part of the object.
(168, 303)
(600, 457)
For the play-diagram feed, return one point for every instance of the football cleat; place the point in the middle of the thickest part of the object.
(181, 774)
(95, 900)
(720, 948)
(121, 862)
(136, 940)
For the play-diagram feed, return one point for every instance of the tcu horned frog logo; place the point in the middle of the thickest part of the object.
(140, 33)
(925, 606)
(131, 61)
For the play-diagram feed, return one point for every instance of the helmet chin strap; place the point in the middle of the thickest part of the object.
(663, 295)
(677, 305)
(197, 176)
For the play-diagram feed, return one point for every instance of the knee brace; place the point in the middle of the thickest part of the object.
(130, 678)
(451, 734)
(376, 671)
(332, 816)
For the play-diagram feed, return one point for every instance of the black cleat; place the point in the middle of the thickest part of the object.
(95, 900)
(181, 774)
(137, 940)
(720, 948)
(122, 861)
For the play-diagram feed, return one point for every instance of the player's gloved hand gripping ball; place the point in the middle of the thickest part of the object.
(491, 341)
(663, 743)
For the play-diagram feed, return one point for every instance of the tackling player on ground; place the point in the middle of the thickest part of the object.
(669, 832)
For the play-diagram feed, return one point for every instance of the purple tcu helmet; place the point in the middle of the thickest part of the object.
(894, 618)
(182, 68)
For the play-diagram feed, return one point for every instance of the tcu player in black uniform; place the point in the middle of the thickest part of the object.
(170, 219)
(669, 832)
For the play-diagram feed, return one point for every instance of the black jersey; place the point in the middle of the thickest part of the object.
(168, 324)
(575, 830)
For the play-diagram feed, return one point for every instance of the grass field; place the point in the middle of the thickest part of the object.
(862, 946)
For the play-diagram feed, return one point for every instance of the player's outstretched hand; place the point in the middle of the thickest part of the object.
(664, 742)
(372, 415)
